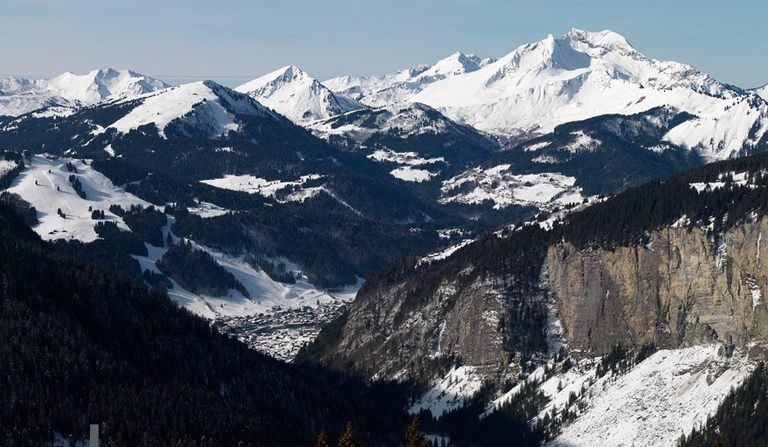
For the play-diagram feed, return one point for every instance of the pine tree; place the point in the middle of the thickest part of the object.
(322, 439)
(347, 439)
(413, 435)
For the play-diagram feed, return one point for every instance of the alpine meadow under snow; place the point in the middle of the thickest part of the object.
(559, 246)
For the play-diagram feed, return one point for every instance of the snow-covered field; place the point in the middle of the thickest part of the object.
(411, 167)
(403, 158)
(265, 294)
(45, 185)
(504, 188)
(411, 174)
(268, 188)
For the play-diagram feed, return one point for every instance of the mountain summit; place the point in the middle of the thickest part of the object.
(583, 74)
(293, 93)
(377, 91)
(19, 95)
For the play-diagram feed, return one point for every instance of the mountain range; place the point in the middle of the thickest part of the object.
(19, 95)
(517, 243)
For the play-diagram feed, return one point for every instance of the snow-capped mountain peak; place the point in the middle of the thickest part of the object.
(455, 64)
(100, 84)
(293, 93)
(204, 107)
(546, 54)
(606, 39)
(585, 74)
(70, 89)
(400, 86)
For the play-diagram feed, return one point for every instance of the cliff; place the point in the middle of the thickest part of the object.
(483, 308)
(681, 288)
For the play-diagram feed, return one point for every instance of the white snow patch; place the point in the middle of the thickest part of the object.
(403, 158)
(504, 188)
(451, 392)
(409, 174)
(536, 146)
(268, 188)
(7, 166)
(582, 143)
(444, 254)
(545, 159)
(656, 402)
(207, 209)
(754, 291)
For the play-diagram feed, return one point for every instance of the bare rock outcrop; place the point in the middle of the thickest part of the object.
(683, 287)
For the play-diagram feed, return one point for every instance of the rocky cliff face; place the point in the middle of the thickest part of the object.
(681, 288)
(421, 317)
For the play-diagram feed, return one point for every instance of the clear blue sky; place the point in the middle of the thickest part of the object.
(228, 39)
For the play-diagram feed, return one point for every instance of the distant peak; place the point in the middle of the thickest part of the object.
(109, 72)
(292, 71)
(606, 39)
(211, 84)
(461, 57)
(457, 62)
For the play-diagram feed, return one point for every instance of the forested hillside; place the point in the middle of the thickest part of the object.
(81, 346)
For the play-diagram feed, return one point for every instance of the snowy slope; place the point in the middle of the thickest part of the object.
(584, 74)
(402, 85)
(18, 95)
(51, 174)
(500, 186)
(265, 294)
(762, 92)
(657, 401)
(206, 107)
(401, 120)
(101, 193)
(294, 94)
(415, 140)
(450, 392)
(280, 190)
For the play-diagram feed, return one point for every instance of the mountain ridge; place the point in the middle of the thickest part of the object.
(293, 93)
(21, 95)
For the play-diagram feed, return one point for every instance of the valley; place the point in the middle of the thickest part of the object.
(559, 246)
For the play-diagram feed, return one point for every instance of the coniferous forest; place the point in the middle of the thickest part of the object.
(81, 345)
